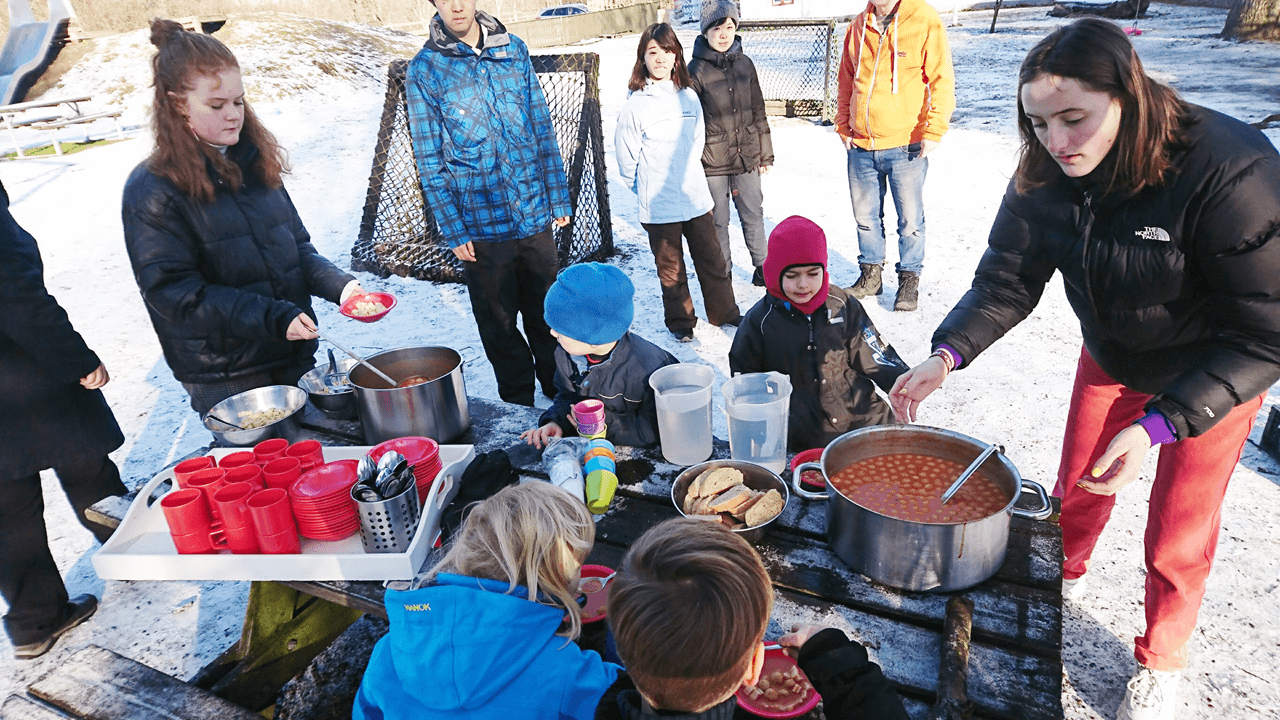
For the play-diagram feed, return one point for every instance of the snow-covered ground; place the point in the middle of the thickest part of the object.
(318, 86)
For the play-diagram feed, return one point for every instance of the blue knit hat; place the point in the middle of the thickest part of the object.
(590, 303)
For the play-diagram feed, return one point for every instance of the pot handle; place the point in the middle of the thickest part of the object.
(1040, 513)
(795, 481)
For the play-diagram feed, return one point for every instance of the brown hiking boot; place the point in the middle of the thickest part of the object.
(868, 283)
(908, 291)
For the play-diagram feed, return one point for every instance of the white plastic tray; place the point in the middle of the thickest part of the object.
(141, 548)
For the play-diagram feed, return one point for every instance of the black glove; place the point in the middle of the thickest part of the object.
(486, 475)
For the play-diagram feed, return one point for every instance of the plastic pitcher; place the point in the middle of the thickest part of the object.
(758, 405)
(683, 396)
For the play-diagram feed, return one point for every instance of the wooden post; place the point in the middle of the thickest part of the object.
(995, 15)
(953, 666)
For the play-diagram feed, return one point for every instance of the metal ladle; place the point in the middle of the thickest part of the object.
(357, 358)
(968, 472)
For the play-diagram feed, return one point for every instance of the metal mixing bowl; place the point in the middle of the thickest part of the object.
(337, 403)
(753, 476)
(286, 397)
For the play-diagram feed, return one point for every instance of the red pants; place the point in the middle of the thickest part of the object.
(1182, 517)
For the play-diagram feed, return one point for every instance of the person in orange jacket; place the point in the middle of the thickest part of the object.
(896, 94)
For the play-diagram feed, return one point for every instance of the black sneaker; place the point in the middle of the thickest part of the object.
(79, 609)
(757, 278)
(683, 335)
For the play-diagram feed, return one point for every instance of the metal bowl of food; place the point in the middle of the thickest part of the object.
(264, 413)
(748, 512)
(336, 398)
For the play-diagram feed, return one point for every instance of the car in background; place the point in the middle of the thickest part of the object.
(565, 10)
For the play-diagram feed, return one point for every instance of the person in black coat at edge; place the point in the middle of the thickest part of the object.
(1164, 219)
(223, 262)
(739, 147)
(52, 415)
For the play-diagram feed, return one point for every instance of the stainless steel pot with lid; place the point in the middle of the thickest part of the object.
(915, 555)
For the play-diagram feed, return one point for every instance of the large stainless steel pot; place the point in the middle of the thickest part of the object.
(437, 409)
(913, 555)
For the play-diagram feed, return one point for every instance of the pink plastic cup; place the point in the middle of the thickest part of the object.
(589, 412)
(242, 540)
(236, 459)
(251, 474)
(185, 469)
(186, 511)
(285, 543)
(271, 513)
(281, 473)
(308, 452)
(232, 502)
(209, 481)
(268, 450)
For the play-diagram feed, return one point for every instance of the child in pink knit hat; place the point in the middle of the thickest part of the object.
(820, 337)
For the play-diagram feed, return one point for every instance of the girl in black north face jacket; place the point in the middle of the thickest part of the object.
(1164, 220)
(820, 337)
(222, 259)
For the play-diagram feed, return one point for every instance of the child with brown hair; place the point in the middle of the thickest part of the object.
(688, 611)
(493, 628)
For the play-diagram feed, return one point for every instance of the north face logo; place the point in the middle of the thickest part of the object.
(1153, 233)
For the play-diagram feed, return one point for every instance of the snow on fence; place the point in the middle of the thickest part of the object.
(398, 233)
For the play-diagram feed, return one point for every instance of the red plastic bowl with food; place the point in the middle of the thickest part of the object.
(598, 601)
(783, 691)
(812, 478)
(369, 307)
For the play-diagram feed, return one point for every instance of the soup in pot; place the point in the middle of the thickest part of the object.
(909, 486)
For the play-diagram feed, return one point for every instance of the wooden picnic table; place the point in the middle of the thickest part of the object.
(1015, 663)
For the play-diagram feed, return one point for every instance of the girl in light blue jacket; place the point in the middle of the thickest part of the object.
(659, 148)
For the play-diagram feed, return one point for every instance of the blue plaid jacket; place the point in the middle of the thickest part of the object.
(482, 137)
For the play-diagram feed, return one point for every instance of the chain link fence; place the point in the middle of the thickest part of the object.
(398, 233)
(797, 61)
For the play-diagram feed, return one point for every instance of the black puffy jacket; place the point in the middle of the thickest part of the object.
(621, 382)
(737, 134)
(47, 419)
(834, 357)
(223, 280)
(1177, 289)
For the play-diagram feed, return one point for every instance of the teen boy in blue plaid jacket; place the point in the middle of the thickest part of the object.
(493, 177)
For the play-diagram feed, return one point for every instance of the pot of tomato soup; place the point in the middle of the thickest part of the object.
(885, 516)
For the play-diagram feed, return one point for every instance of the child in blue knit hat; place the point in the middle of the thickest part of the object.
(589, 312)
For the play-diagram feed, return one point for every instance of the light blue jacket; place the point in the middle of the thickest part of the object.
(659, 147)
(462, 648)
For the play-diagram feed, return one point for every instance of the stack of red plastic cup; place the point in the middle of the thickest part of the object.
(268, 450)
(208, 482)
(187, 468)
(273, 522)
(190, 523)
(589, 415)
(237, 459)
(308, 452)
(232, 501)
(282, 472)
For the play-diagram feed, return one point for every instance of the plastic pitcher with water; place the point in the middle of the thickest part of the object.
(758, 405)
(682, 393)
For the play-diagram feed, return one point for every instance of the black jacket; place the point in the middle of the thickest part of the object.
(1177, 289)
(222, 281)
(852, 687)
(834, 357)
(737, 131)
(47, 419)
(621, 382)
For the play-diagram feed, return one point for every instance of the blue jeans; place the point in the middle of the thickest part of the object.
(901, 170)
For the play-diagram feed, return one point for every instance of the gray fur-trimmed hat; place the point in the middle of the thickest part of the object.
(715, 11)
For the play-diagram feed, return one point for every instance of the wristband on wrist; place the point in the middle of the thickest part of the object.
(947, 360)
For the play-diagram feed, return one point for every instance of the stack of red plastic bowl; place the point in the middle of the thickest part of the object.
(420, 452)
(322, 502)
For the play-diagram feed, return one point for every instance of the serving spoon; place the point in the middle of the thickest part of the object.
(582, 582)
(225, 422)
(968, 472)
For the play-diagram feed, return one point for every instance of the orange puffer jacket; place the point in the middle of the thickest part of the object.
(896, 82)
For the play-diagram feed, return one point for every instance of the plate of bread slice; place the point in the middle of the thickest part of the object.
(742, 496)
